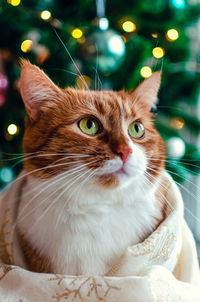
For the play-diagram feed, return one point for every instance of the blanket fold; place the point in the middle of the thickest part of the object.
(164, 267)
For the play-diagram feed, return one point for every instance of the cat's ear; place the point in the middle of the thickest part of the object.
(147, 91)
(37, 90)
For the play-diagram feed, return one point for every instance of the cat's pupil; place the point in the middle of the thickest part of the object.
(89, 124)
(136, 128)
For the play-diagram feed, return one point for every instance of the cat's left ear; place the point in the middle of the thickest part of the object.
(147, 91)
(37, 90)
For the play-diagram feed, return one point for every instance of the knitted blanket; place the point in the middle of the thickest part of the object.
(164, 267)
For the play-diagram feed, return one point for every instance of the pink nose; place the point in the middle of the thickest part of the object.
(124, 151)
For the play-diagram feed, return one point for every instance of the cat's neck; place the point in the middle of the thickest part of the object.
(80, 221)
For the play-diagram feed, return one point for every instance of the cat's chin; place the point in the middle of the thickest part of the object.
(118, 179)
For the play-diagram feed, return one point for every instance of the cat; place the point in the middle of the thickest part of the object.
(93, 160)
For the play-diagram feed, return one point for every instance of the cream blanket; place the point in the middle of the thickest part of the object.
(163, 268)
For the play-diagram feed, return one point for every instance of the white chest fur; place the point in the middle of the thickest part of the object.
(87, 233)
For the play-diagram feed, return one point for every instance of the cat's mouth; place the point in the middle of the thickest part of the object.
(115, 173)
(120, 177)
(115, 169)
(121, 171)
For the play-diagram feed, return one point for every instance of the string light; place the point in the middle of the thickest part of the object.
(26, 45)
(14, 2)
(45, 15)
(129, 26)
(172, 34)
(12, 129)
(6, 174)
(178, 3)
(158, 52)
(146, 72)
(83, 81)
(103, 23)
(77, 33)
(177, 123)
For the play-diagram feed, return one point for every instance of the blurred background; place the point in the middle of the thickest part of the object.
(109, 45)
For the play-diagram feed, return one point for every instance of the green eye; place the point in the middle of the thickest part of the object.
(136, 130)
(89, 126)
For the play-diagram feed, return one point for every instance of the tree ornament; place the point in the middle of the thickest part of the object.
(104, 47)
(175, 147)
(3, 88)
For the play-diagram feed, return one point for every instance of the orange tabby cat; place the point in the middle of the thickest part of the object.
(95, 161)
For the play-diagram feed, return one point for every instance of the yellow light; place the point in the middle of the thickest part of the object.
(146, 72)
(81, 40)
(45, 15)
(172, 34)
(26, 45)
(12, 129)
(129, 26)
(177, 123)
(14, 2)
(83, 82)
(77, 33)
(158, 52)
(154, 35)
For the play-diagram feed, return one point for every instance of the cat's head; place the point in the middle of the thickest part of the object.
(105, 137)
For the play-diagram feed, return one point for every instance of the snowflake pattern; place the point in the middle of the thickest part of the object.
(159, 244)
(89, 287)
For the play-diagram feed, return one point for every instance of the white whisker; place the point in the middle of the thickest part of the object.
(66, 175)
(75, 65)
(75, 179)
(72, 192)
(178, 184)
(31, 172)
(151, 176)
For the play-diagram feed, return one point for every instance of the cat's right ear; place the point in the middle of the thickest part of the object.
(147, 91)
(37, 90)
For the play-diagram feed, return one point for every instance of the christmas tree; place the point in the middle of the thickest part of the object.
(101, 45)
